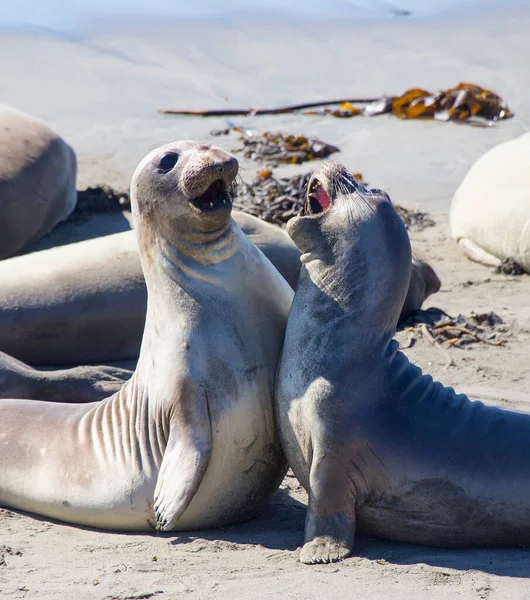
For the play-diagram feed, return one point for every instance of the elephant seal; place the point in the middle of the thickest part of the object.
(189, 441)
(376, 443)
(86, 302)
(85, 383)
(37, 180)
(490, 211)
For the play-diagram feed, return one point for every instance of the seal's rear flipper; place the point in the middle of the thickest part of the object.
(185, 461)
(477, 254)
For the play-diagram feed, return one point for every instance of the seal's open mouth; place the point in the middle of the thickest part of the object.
(317, 200)
(214, 198)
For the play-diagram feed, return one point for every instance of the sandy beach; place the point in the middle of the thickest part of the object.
(100, 86)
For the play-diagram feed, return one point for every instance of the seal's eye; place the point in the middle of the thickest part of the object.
(168, 161)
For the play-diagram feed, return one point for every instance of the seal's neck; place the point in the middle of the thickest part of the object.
(188, 258)
(347, 340)
(183, 275)
(349, 300)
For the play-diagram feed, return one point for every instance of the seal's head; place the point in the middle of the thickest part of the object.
(184, 186)
(353, 243)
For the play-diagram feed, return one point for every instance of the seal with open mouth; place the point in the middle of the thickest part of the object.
(189, 441)
(377, 444)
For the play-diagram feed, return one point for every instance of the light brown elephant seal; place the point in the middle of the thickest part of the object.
(72, 304)
(377, 444)
(84, 383)
(189, 441)
(86, 302)
(37, 180)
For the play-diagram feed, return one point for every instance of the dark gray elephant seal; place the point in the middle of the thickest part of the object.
(377, 444)
(37, 180)
(189, 441)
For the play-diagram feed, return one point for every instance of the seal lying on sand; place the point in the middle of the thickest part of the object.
(490, 211)
(86, 302)
(37, 180)
(375, 442)
(189, 441)
(86, 383)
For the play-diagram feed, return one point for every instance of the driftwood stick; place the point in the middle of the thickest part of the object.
(242, 112)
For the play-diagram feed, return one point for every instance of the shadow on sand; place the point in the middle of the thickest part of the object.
(281, 527)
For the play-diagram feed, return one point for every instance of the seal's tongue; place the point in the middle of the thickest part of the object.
(322, 198)
(318, 199)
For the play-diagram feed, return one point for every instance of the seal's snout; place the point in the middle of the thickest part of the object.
(223, 163)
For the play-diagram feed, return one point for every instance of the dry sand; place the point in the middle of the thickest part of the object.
(101, 91)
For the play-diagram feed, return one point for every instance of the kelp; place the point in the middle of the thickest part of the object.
(275, 148)
(414, 219)
(466, 103)
(442, 330)
(272, 199)
(510, 267)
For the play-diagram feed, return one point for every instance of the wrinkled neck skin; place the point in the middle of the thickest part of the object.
(186, 256)
(339, 278)
(327, 304)
(182, 270)
(348, 290)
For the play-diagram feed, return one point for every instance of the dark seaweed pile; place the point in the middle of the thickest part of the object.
(272, 199)
(277, 148)
(414, 219)
(99, 199)
(440, 328)
(278, 199)
(510, 267)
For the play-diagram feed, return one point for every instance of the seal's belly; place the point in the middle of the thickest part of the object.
(246, 463)
(444, 511)
(48, 467)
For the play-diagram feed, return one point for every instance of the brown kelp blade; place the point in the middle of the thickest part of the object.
(462, 102)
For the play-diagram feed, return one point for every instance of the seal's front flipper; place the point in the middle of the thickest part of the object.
(185, 460)
(477, 254)
(330, 521)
